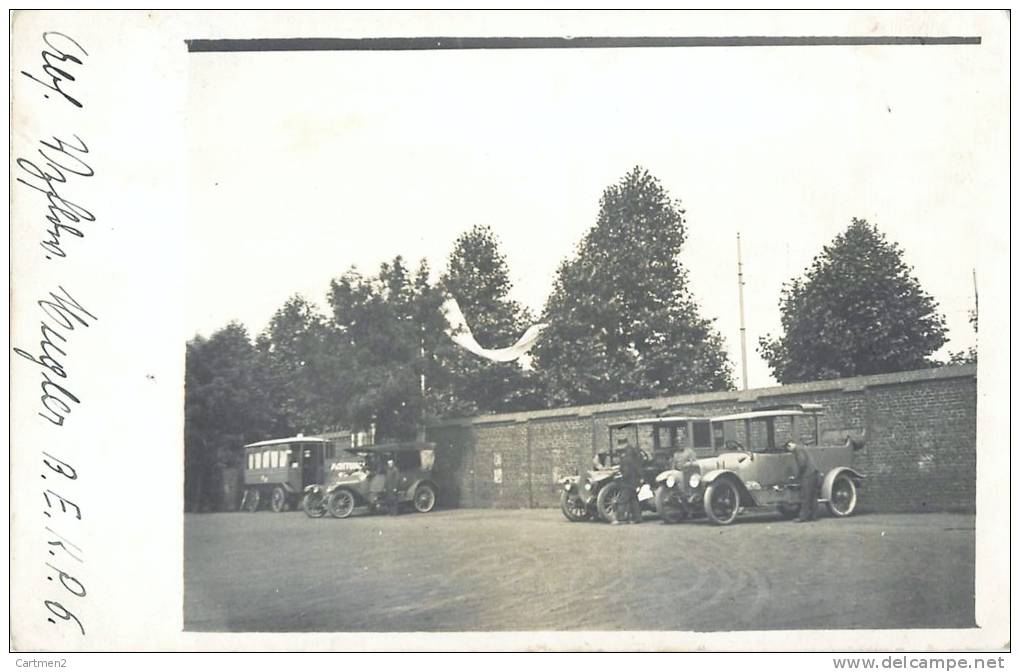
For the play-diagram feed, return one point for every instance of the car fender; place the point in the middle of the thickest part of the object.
(408, 492)
(569, 483)
(831, 476)
(746, 498)
(315, 488)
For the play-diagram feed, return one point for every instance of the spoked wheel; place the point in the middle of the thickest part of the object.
(572, 507)
(278, 500)
(314, 504)
(340, 503)
(669, 505)
(722, 502)
(424, 498)
(843, 499)
(609, 497)
(250, 502)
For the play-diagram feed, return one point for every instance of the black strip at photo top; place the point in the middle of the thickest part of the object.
(468, 43)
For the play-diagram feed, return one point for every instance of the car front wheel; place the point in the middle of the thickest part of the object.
(843, 498)
(722, 502)
(424, 498)
(572, 507)
(607, 500)
(340, 503)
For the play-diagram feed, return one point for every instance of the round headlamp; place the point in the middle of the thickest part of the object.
(587, 486)
(670, 481)
(695, 480)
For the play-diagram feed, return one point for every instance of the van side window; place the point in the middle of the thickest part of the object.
(702, 434)
(407, 460)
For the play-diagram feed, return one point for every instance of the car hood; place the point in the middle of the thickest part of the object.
(722, 461)
(350, 479)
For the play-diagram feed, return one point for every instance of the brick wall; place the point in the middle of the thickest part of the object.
(919, 456)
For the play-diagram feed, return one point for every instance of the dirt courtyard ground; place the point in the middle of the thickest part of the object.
(532, 570)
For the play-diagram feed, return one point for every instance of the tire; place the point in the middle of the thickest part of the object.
(572, 507)
(606, 501)
(669, 509)
(843, 496)
(340, 503)
(314, 504)
(722, 501)
(250, 502)
(278, 500)
(424, 498)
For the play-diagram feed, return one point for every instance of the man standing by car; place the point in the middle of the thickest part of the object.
(627, 506)
(807, 476)
(683, 457)
(391, 488)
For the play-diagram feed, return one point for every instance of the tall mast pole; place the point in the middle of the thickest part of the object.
(421, 381)
(743, 330)
(974, 275)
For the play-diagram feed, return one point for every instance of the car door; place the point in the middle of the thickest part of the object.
(767, 476)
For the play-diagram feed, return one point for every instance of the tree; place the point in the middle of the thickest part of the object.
(623, 324)
(970, 355)
(478, 277)
(379, 322)
(225, 406)
(302, 357)
(857, 311)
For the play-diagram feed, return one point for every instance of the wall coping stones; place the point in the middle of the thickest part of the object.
(855, 384)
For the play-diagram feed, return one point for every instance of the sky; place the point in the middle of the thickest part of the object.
(302, 164)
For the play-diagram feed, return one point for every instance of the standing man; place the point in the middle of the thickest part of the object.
(627, 506)
(392, 487)
(684, 456)
(807, 476)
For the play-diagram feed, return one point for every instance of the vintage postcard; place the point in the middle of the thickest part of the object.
(573, 331)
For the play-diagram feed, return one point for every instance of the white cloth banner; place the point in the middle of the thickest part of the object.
(458, 330)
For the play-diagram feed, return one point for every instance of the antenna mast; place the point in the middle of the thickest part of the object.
(974, 274)
(743, 330)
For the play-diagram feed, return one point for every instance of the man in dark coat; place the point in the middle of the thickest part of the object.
(808, 477)
(627, 506)
(392, 487)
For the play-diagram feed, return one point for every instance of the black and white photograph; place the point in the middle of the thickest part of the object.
(570, 331)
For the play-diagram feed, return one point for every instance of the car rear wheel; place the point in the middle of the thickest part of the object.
(722, 502)
(314, 504)
(607, 500)
(572, 507)
(424, 498)
(250, 501)
(340, 503)
(278, 500)
(843, 498)
(669, 505)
